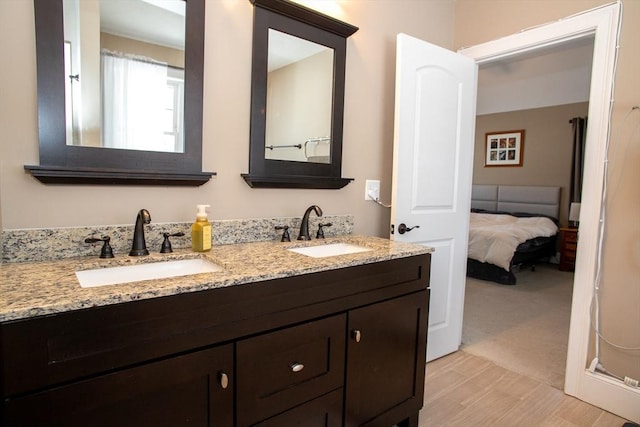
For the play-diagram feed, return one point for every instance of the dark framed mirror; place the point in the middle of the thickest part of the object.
(86, 150)
(297, 97)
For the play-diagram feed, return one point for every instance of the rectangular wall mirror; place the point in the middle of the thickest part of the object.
(297, 97)
(120, 91)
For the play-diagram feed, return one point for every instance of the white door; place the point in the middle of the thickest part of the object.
(432, 172)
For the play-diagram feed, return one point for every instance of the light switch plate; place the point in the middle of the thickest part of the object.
(372, 189)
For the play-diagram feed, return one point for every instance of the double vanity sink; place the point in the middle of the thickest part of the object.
(263, 333)
(41, 288)
(120, 274)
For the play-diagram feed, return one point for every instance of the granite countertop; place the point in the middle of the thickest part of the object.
(33, 289)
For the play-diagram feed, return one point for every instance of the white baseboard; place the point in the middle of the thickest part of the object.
(611, 394)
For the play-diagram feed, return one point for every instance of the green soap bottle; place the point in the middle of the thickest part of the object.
(201, 231)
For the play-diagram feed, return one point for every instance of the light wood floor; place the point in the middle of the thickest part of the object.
(466, 390)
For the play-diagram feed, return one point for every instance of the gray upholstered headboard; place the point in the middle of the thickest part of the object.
(517, 198)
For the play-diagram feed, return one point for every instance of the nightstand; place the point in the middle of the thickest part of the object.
(568, 245)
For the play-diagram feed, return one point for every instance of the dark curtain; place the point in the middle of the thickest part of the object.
(579, 126)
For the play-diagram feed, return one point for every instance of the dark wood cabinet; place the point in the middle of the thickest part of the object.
(568, 247)
(180, 391)
(386, 353)
(338, 347)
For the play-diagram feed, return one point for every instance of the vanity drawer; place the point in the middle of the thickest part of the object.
(281, 369)
(325, 411)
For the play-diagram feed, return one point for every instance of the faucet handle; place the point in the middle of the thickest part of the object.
(320, 233)
(285, 233)
(106, 251)
(166, 244)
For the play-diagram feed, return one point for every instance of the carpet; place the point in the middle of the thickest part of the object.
(525, 327)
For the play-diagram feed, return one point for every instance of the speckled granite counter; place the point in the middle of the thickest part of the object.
(35, 289)
(46, 244)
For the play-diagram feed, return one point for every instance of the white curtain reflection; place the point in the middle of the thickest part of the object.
(133, 100)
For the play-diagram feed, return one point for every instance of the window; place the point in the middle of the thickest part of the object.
(142, 104)
(173, 114)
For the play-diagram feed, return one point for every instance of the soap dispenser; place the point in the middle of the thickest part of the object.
(201, 230)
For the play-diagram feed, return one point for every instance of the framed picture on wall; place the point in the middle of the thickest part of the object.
(504, 148)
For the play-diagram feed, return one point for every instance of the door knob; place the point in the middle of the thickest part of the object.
(356, 335)
(402, 228)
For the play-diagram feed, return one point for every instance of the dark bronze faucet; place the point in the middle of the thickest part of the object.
(106, 251)
(304, 225)
(285, 233)
(320, 233)
(166, 243)
(139, 246)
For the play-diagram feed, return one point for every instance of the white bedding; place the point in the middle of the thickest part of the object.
(494, 238)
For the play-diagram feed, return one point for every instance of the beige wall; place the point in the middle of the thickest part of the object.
(547, 148)
(298, 110)
(173, 57)
(479, 21)
(368, 134)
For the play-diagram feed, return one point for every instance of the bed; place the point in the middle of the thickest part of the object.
(519, 212)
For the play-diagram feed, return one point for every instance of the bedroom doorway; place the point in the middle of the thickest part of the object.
(603, 23)
(525, 327)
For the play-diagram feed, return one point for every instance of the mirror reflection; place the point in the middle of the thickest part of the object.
(299, 99)
(124, 68)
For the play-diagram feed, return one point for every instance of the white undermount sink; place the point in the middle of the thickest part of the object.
(149, 271)
(331, 249)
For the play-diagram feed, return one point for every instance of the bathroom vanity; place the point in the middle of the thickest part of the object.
(275, 338)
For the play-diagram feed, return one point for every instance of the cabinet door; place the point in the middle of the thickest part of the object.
(386, 356)
(187, 390)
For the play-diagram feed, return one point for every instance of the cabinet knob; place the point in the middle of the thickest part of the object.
(356, 335)
(223, 379)
(296, 367)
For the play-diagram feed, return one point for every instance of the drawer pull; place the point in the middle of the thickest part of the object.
(357, 336)
(223, 379)
(296, 367)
